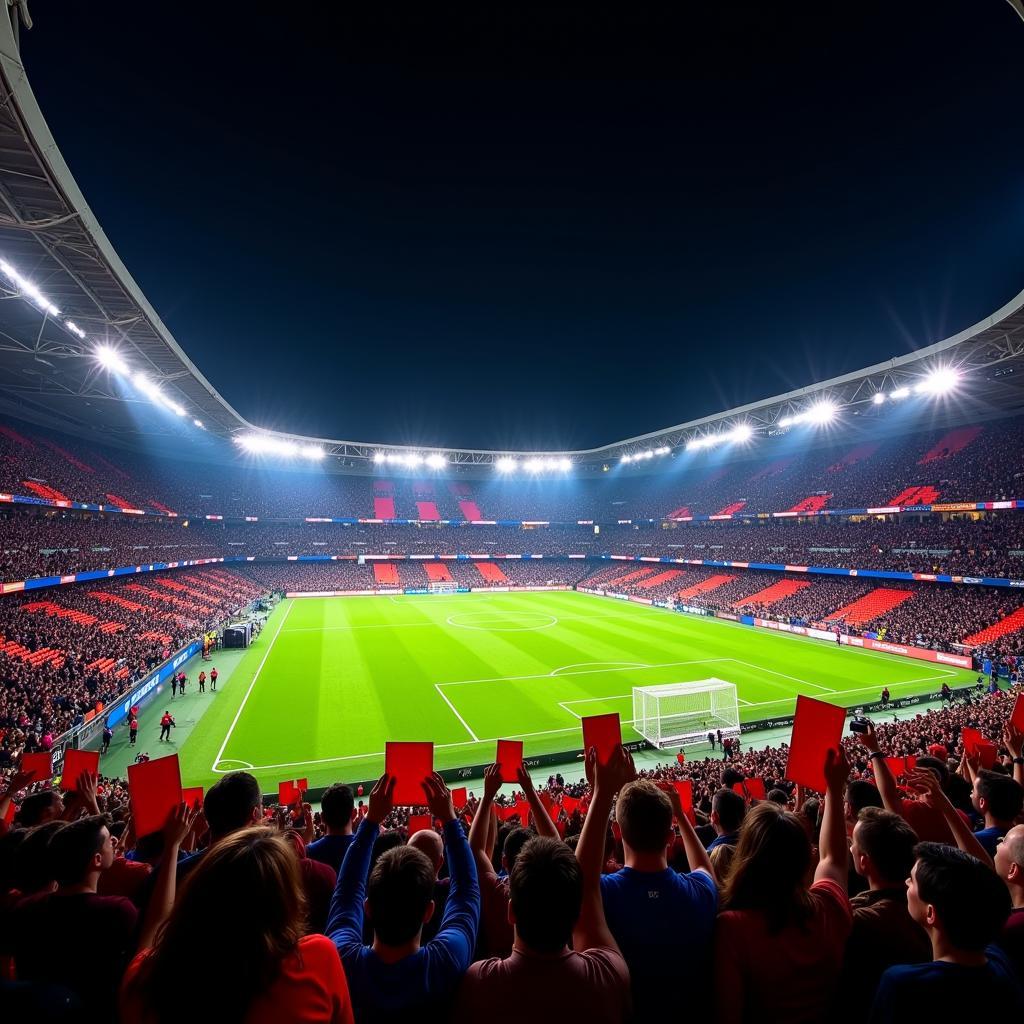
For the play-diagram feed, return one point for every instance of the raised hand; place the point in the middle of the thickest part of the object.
(615, 773)
(837, 770)
(178, 825)
(524, 780)
(439, 798)
(382, 799)
(492, 781)
(869, 740)
(1013, 739)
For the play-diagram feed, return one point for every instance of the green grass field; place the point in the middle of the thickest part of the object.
(330, 680)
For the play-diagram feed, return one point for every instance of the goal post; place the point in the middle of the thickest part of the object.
(674, 714)
(443, 587)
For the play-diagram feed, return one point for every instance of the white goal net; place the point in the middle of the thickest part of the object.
(442, 587)
(678, 713)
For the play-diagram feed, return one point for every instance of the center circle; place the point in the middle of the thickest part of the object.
(503, 622)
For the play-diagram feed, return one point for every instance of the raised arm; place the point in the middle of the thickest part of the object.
(18, 782)
(605, 780)
(541, 818)
(833, 853)
(1013, 740)
(161, 900)
(345, 919)
(483, 831)
(883, 777)
(927, 786)
(696, 856)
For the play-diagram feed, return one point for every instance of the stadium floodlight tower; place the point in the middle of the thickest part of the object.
(674, 714)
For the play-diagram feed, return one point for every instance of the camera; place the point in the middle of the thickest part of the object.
(860, 724)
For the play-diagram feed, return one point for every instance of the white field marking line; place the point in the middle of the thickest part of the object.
(583, 664)
(496, 627)
(441, 625)
(380, 753)
(795, 679)
(775, 633)
(454, 710)
(549, 675)
(256, 675)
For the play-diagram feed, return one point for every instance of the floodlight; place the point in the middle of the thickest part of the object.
(879, 397)
(822, 412)
(626, 459)
(939, 382)
(741, 432)
(436, 461)
(533, 465)
(787, 421)
(506, 464)
(565, 464)
(311, 451)
(900, 393)
(199, 424)
(29, 289)
(663, 450)
(74, 328)
(111, 359)
(175, 407)
(379, 457)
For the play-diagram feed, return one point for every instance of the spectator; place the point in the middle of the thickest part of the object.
(663, 921)
(556, 898)
(998, 800)
(338, 813)
(728, 809)
(1009, 864)
(248, 892)
(100, 929)
(779, 945)
(396, 973)
(883, 932)
(963, 906)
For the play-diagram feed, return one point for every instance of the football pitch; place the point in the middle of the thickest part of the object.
(331, 679)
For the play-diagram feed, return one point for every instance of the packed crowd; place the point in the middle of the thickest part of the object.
(955, 464)
(883, 897)
(65, 651)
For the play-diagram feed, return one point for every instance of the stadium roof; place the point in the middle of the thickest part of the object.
(85, 298)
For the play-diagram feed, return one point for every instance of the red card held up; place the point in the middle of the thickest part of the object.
(459, 798)
(1017, 715)
(287, 794)
(302, 785)
(155, 790)
(418, 823)
(510, 756)
(817, 728)
(410, 764)
(977, 746)
(38, 765)
(602, 732)
(193, 797)
(750, 789)
(684, 787)
(76, 762)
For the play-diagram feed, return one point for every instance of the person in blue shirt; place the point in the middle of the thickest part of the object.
(663, 921)
(338, 813)
(998, 799)
(727, 811)
(962, 904)
(396, 974)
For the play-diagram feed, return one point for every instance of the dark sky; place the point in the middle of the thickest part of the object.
(547, 225)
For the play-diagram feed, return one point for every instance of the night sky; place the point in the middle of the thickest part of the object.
(551, 227)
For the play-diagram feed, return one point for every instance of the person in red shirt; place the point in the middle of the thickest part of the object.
(213, 679)
(247, 890)
(779, 944)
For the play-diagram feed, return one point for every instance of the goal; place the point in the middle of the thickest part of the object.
(678, 713)
(442, 587)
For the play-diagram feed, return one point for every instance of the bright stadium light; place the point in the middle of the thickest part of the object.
(879, 397)
(436, 461)
(663, 450)
(312, 451)
(261, 444)
(565, 464)
(626, 459)
(939, 382)
(506, 464)
(741, 433)
(822, 412)
(111, 359)
(380, 458)
(29, 289)
(199, 424)
(74, 328)
(901, 393)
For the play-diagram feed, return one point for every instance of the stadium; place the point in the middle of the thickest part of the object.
(187, 589)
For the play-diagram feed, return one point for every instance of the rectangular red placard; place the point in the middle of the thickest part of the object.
(817, 728)
(38, 765)
(302, 785)
(510, 756)
(417, 823)
(193, 797)
(602, 732)
(684, 787)
(410, 764)
(287, 794)
(459, 798)
(76, 762)
(750, 789)
(1017, 715)
(154, 788)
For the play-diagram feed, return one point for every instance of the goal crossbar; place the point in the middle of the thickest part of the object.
(674, 714)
